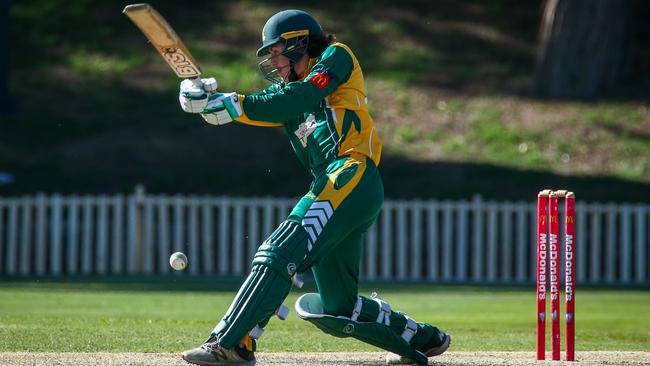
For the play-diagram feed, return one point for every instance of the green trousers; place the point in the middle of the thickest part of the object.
(354, 189)
(324, 233)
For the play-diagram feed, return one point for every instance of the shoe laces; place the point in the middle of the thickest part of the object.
(211, 345)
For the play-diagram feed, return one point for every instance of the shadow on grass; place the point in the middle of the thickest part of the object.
(214, 283)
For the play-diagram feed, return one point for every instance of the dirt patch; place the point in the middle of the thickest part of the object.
(318, 358)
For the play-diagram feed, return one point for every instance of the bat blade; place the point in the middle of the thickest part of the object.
(163, 37)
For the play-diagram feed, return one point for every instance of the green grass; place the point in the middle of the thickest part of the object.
(99, 317)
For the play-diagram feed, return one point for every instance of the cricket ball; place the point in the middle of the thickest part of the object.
(178, 261)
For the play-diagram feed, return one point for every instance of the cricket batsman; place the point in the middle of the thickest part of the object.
(318, 97)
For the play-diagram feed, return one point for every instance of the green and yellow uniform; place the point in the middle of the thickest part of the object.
(325, 116)
(319, 99)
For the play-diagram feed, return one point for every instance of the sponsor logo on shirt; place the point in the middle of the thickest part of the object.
(305, 129)
(320, 79)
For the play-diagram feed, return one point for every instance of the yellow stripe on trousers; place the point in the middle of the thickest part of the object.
(336, 196)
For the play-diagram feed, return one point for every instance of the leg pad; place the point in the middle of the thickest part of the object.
(266, 287)
(309, 307)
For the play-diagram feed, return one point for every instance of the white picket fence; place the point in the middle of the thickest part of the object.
(426, 241)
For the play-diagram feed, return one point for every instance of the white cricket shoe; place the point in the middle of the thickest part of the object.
(212, 354)
(439, 347)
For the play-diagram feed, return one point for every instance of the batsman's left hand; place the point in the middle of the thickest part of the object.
(193, 94)
(222, 108)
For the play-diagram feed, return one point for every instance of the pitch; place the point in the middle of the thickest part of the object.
(589, 358)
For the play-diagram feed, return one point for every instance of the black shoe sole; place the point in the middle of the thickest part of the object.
(437, 351)
(199, 363)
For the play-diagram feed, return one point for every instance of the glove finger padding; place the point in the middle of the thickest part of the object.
(192, 97)
(217, 118)
(210, 85)
(222, 108)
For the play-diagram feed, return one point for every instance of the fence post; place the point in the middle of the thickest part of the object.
(402, 241)
(134, 240)
(386, 241)
(417, 243)
(12, 237)
(641, 244)
(87, 235)
(193, 240)
(447, 240)
(237, 238)
(625, 238)
(521, 256)
(101, 257)
(492, 243)
(26, 236)
(117, 263)
(433, 243)
(610, 244)
(73, 235)
(208, 242)
(594, 248)
(477, 240)
(222, 244)
(581, 242)
(461, 240)
(55, 235)
(148, 237)
(506, 242)
(163, 233)
(41, 206)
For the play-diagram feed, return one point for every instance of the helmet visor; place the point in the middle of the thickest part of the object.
(270, 72)
(294, 50)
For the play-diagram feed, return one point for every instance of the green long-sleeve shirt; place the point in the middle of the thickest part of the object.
(324, 114)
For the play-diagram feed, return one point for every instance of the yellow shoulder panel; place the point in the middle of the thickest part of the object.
(355, 62)
(352, 93)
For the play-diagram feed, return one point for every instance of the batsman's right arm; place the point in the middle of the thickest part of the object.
(332, 70)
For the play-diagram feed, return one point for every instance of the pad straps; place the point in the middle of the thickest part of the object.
(256, 332)
(410, 329)
(384, 310)
(282, 312)
(357, 309)
(383, 317)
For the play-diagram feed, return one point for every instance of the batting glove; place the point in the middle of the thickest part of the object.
(222, 108)
(193, 94)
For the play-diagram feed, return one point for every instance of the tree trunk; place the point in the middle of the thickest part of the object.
(583, 48)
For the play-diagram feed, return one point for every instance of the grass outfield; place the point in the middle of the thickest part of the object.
(55, 317)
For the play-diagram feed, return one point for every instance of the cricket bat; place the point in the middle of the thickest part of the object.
(163, 37)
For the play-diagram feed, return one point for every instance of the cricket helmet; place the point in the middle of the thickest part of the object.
(291, 26)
